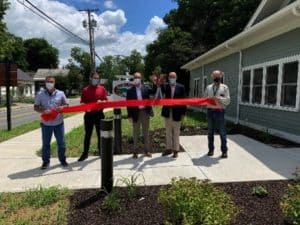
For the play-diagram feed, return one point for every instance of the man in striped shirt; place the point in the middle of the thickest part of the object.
(215, 114)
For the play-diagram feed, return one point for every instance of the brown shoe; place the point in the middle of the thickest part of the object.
(175, 154)
(135, 155)
(167, 152)
(148, 154)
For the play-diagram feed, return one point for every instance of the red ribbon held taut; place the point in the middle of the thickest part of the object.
(129, 103)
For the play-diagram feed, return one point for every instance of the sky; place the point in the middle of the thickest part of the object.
(123, 25)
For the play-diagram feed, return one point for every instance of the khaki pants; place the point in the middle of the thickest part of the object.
(172, 133)
(143, 120)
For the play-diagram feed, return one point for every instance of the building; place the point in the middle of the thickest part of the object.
(262, 70)
(41, 74)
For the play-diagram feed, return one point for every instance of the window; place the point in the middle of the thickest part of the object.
(271, 85)
(196, 87)
(246, 86)
(257, 86)
(289, 84)
(204, 85)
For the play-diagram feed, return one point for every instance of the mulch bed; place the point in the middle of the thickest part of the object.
(86, 206)
(158, 140)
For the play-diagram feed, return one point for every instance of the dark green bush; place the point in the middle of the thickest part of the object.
(259, 191)
(190, 201)
(290, 203)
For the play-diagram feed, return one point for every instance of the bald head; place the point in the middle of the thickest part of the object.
(217, 75)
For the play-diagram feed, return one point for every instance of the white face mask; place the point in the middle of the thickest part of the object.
(49, 86)
(137, 81)
(95, 82)
(172, 81)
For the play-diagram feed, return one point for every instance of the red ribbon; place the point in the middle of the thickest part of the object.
(129, 103)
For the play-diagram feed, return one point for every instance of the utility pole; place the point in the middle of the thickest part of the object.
(90, 25)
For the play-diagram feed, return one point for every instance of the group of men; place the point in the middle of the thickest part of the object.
(51, 98)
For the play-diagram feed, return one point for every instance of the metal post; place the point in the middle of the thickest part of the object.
(107, 154)
(8, 101)
(118, 131)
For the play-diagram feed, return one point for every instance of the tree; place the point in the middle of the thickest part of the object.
(6, 45)
(170, 51)
(135, 62)
(40, 54)
(81, 61)
(194, 27)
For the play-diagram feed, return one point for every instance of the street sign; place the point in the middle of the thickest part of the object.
(12, 75)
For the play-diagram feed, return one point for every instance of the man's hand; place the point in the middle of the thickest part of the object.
(60, 108)
(99, 101)
(130, 120)
(47, 111)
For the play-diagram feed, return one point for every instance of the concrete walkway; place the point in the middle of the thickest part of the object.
(248, 160)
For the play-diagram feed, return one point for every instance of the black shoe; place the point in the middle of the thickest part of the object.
(83, 157)
(210, 153)
(45, 165)
(64, 164)
(224, 155)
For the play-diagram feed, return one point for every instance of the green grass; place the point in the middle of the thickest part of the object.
(74, 139)
(22, 129)
(40, 206)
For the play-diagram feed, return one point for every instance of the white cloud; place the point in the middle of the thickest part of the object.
(109, 4)
(108, 37)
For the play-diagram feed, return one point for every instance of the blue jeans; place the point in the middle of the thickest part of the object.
(59, 133)
(215, 119)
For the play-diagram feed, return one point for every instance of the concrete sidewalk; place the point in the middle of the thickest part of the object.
(248, 160)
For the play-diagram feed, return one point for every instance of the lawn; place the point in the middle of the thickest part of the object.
(22, 129)
(74, 139)
(40, 206)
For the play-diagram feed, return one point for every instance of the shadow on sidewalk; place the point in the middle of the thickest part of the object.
(37, 172)
(205, 161)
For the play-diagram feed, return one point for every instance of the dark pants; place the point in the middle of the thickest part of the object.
(59, 133)
(92, 119)
(215, 119)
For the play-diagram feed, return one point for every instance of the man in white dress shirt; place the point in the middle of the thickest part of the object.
(215, 114)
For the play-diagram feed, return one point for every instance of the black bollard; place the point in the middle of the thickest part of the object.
(117, 131)
(107, 154)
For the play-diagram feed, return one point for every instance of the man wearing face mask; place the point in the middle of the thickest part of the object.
(216, 114)
(173, 114)
(94, 92)
(139, 116)
(45, 101)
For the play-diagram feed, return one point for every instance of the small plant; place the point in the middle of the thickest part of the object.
(131, 184)
(112, 201)
(259, 191)
(191, 202)
(290, 202)
(266, 136)
(40, 196)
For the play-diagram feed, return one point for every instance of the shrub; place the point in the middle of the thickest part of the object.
(111, 201)
(131, 184)
(190, 201)
(290, 203)
(259, 191)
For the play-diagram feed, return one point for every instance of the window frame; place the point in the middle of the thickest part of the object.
(280, 63)
(196, 80)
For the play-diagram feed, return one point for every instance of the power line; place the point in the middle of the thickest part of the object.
(50, 20)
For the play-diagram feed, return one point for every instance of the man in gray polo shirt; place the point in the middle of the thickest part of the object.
(45, 101)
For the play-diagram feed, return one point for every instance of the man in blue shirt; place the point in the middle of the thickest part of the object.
(45, 101)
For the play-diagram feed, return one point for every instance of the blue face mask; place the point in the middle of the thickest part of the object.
(172, 81)
(94, 82)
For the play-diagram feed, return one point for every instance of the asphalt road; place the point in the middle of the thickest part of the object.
(22, 114)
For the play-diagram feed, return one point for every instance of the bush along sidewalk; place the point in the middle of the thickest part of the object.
(290, 203)
(192, 202)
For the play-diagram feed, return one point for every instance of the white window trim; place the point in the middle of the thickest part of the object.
(280, 63)
(198, 80)
(203, 84)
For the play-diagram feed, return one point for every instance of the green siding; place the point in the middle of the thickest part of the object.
(273, 49)
(270, 118)
(280, 47)
(230, 66)
(197, 73)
